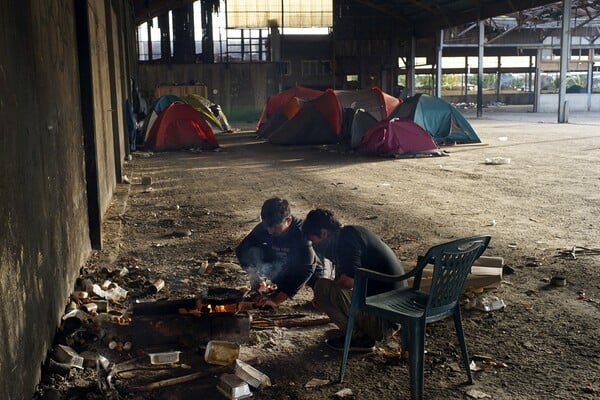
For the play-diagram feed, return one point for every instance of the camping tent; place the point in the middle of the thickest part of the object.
(211, 112)
(323, 119)
(283, 114)
(443, 122)
(397, 137)
(317, 121)
(276, 101)
(374, 101)
(157, 106)
(179, 126)
(361, 122)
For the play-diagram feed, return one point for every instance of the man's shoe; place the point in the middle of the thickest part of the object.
(357, 345)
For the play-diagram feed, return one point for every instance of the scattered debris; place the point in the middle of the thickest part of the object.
(342, 394)
(574, 251)
(497, 161)
(287, 321)
(168, 357)
(477, 394)
(489, 361)
(558, 281)
(316, 382)
(251, 375)
(233, 387)
(484, 303)
(221, 352)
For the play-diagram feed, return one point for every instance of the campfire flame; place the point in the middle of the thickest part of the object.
(222, 308)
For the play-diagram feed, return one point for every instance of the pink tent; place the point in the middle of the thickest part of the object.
(397, 137)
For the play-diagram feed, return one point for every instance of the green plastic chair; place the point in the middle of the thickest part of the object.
(413, 308)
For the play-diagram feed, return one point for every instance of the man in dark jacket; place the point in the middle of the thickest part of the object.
(350, 247)
(276, 249)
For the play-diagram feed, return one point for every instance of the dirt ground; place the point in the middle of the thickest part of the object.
(536, 208)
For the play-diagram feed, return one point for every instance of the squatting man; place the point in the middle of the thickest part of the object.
(350, 247)
(277, 250)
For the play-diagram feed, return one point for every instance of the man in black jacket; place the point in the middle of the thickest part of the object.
(350, 247)
(276, 249)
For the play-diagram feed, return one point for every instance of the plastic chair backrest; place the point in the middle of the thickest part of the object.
(452, 263)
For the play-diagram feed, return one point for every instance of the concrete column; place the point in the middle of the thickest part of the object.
(498, 79)
(466, 83)
(183, 35)
(480, 70)
(438, 67)
(537, 85)
(275, 43)
(410, 68)
(165, 37)
(565, 56)
(149, 30)
(590, 80)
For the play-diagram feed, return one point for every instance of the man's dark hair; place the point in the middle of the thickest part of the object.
(274, 211)
(319, 219)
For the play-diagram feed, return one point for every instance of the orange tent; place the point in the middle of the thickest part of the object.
(278, 100)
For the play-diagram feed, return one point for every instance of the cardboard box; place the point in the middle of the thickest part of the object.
(486, 273)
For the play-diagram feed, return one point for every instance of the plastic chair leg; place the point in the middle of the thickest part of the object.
(348, 338)
(460, 334)
(416, 349)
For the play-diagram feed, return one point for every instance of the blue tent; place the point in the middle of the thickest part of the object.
(438, 117)
(164, 101)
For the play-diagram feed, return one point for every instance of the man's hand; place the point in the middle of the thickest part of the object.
(264, 301)
(345, 282)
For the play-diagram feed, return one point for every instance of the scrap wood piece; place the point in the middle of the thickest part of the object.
(490, 361)
(181, 379)
(578, 250)
(288, 321)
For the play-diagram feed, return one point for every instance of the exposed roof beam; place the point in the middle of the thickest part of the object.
(503, 33)
(474, 14)
(384, 10)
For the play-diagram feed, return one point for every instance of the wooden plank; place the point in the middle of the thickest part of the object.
(181, 90)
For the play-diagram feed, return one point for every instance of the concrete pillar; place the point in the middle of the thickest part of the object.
(165, 37)
(480, 70)
(537, 85)
(565, 56)
(410, 68)
(498, 79)
(466, 83)
(275, 43)
(184, 50)
(438, 67)
(590, 80)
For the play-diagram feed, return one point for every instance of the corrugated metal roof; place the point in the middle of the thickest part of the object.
(421, 17)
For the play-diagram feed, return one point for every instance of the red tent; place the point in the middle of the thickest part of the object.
(397, 137)
(180, 125)
(278, 100)
(317, 121)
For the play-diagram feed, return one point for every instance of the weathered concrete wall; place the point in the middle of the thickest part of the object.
(103, 108)
(44, 234)
(45, 229)
(489, 98)
(240, 89)
(577, 102)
